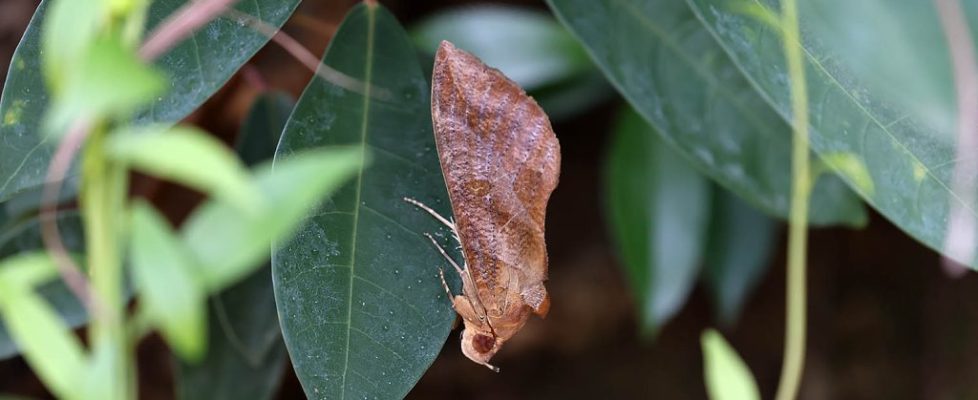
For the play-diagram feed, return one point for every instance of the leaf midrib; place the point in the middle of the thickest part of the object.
(368, 78)
(815, 62)
(667, 40)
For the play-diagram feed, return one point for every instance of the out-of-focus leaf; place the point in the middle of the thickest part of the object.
(659, 209)
(197, 67)
(168, 283)
(737, 252)
(108, 81)
(27, 203)
(662, 60)
(362, 309)
(245, 353)
(727, 377)
(229, 245)
(25, 236)
(70, 29)
(48, 345)
(188, 156)
(528, 46)
(898, 51)
(568, 98)
(908, 152)
(262, 128)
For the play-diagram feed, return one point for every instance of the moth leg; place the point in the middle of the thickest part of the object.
(444, 254)
(444, 284)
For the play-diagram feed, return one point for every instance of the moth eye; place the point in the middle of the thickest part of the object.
(482, 343)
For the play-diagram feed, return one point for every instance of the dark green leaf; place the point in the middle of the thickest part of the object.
(528, 46)
(229, 244)
(906, 150)
(48, 345)
(727, 377)
(568, 98)
(261, 130)
(189, 156)
(24, 237)
(738, 252)
(245, 354)
(167, 279)
(196, 68)
(363, 312)
(669, 68)
(659, 210)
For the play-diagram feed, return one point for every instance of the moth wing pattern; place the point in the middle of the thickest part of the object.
(501, 161)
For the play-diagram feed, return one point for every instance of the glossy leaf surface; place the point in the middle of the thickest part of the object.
(363, 312)
(906, 149)
(662, 60)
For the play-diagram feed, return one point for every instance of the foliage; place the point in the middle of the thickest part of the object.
(363, 310)
(696, 176)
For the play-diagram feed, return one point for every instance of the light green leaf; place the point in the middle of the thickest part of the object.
(188, 156)
(362, 308)
(26, 271)
(906, 150)
(738, 253)
(851, 166)
(197, 68)
(72, 26)
(662, 60)
(24, 237)
(168, 282)
(108, 80)
(246, 354)
(727, 377)
(228, 245)
(51, 349)
(659, 210)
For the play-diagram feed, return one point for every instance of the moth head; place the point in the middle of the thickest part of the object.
(480, 345)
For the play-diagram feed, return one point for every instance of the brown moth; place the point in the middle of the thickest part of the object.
(501, 161)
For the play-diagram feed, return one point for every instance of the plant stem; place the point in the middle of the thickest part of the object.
(794, 345)
(102, 198)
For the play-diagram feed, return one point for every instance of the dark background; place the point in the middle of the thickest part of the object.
(884, 321)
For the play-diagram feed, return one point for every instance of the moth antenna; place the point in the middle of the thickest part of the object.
(433, 213)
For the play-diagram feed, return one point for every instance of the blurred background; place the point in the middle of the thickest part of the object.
(884, 321)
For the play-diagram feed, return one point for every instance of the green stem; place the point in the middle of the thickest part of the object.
(794, 345)
(102, 198)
